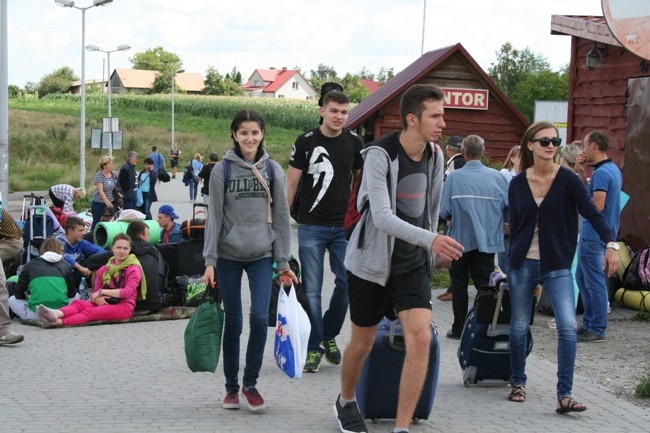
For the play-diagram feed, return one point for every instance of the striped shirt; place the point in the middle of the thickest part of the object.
(108, 183)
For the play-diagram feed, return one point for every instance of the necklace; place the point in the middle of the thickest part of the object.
(532, 172)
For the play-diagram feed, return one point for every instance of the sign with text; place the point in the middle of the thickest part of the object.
(467, 99)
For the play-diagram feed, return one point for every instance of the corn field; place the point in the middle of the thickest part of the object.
(282, 113)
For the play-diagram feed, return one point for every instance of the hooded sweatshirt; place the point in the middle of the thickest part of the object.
(245, 222)
(48, 279)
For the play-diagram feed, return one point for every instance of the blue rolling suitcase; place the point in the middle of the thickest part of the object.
(377, 390)
(484, 351)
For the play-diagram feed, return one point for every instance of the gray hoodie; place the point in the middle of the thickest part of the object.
(372, 260)
(244, 222)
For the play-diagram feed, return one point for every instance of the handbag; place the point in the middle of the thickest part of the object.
(139, 200)
(163, 176)
(203, 333)
(291, 335)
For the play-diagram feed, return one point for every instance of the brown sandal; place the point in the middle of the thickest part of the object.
(517, 394)
(570, 406)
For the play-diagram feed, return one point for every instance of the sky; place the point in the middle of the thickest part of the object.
(346, 34)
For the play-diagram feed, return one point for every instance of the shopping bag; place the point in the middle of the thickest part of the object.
(291, 335)
(139, 200)
(203, 333)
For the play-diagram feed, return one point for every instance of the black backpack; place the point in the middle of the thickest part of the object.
(188, 172)
(637, 274)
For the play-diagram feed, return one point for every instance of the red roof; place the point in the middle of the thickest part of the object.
(371, 85)
(275, 77)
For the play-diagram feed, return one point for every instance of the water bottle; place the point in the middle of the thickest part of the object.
(83, 290)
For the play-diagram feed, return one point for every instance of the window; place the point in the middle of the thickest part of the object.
(280, 96)
(294, 85)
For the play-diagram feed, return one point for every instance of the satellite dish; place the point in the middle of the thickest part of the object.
(629, 22)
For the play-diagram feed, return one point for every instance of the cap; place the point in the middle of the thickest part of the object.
(168, 210)
(454, 142)
(326, 88)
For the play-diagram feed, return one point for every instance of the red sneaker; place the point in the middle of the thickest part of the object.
(255, 400)
(231, 401)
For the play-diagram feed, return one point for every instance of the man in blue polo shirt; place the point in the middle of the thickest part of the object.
(475, 200)
(605, 190)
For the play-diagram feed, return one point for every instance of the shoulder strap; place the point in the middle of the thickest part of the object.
(270, 172)
(226, 174)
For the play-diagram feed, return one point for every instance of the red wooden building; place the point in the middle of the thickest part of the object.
(473, 104)
(608, 91)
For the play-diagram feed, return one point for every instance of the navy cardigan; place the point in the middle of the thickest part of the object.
(558, 220)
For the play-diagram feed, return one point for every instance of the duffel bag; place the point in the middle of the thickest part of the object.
(193, 229)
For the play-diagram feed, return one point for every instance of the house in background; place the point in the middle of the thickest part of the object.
(75, 87)
(279, 83)
(473, 102)
(608, 91)
(371, 85)
(138, 81)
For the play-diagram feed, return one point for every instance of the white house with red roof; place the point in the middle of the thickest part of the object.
(279, 83)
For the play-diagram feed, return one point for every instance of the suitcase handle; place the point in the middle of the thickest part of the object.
(201, 205)
(396, 342)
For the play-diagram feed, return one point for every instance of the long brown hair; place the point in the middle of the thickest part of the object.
(527, 154)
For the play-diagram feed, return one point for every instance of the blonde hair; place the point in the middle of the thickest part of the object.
(514, 152)
(104, 160)
(81, 191)
(198, 157)
(570, 153)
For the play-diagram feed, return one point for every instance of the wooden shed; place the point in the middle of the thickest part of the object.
(611, 95)
(473, 103)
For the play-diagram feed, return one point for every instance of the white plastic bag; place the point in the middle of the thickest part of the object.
(291, 334)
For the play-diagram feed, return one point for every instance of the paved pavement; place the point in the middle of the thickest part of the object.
(133, 377)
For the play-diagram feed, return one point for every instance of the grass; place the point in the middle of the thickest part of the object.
(440, 279)
(44, 138)
(643, 388)
(641, 317)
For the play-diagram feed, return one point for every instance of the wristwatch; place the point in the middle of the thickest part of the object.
(613, 245)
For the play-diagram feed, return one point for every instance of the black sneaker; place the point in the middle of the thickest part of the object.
(349, 418)
(313, 362)
(581, 331)
(451, 335)
(332, 352)
(590, 337)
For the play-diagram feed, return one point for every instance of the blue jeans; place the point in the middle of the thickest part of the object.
(146, 205)
(559, 286)
(229, 275)
(313, 241)
(503, 255)
(194, 187)
(96, 209)
(592, 283)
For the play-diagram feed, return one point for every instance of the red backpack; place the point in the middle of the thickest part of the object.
(353, 214)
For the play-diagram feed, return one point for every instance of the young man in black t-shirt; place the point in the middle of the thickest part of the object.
(322, 165)
(204, 175)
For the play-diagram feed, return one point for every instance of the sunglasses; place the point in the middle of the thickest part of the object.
(545, 141)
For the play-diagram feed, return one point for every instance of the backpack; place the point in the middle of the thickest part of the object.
(352, 213)
(188, 172)
(226, 173)
(637, 274)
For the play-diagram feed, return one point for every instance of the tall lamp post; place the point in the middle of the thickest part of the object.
(178, 71)
(82, 120)
(108, 64)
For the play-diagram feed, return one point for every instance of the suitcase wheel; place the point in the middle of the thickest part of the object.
(469, 376)
(375, 420)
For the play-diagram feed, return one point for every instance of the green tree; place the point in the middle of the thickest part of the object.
(14, 92)
(513, 65)
(163, 83)
(217, 84)
(156, 59)
(30, 87)
(385, 74)
(58, 81)
(321, 75)
(365, 74)
(543, 86)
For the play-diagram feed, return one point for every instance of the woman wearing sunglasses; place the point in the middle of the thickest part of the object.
(545, 200)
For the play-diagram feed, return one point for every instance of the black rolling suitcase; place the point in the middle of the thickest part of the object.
(377, 390)
(484, 351)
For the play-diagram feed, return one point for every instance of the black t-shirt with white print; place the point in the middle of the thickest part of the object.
(327, 165)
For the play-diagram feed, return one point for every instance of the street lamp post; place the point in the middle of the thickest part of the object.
(108, 64)
(178, 71)
(82, 120)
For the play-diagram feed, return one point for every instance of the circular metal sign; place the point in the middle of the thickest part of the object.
(629, 22)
